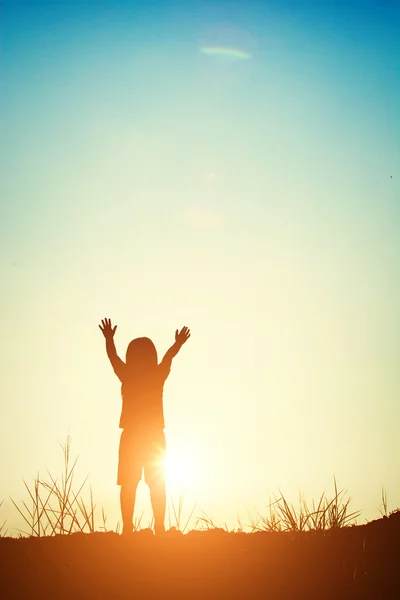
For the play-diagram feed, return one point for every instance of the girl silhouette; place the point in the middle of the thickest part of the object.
(142, 444)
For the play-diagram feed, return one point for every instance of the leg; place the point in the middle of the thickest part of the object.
(127, 498)
(129, 474)
(158, 501)
(155, 479)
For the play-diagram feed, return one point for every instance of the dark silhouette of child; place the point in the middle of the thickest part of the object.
(142, 444)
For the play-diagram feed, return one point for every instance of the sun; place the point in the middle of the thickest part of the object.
(182, 471)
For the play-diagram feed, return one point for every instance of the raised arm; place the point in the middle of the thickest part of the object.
(108, 331)
(180, 338)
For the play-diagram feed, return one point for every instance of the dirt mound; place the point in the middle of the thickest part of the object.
(355, 562)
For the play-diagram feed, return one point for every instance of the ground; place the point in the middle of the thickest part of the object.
(360, 562)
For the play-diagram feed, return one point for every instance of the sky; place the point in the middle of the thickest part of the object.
(250, 193)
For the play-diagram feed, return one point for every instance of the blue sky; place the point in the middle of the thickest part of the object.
(256, 201)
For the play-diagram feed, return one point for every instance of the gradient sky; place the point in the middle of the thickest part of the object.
(255, 200)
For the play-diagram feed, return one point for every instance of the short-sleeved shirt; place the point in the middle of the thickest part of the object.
(142, 398)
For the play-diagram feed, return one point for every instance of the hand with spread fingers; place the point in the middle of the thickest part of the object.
(107, 329)
(182, 336)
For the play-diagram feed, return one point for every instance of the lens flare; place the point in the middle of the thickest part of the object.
(229, 52)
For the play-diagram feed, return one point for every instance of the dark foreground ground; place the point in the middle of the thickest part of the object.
(356, 562)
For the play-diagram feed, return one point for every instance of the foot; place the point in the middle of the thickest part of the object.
(127, 530)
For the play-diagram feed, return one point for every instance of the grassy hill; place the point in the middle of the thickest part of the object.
(360, 561)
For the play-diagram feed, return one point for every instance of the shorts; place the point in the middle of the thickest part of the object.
(141, 450)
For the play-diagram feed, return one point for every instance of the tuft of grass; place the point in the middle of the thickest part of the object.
(104, 520)
(177, 512)
(240, 524)
(384, 504)
(54, 507)
(325, 515)
(205, 522)
(269, 522)
(137, 523)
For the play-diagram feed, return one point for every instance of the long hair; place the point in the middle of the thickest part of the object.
(141, 356)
